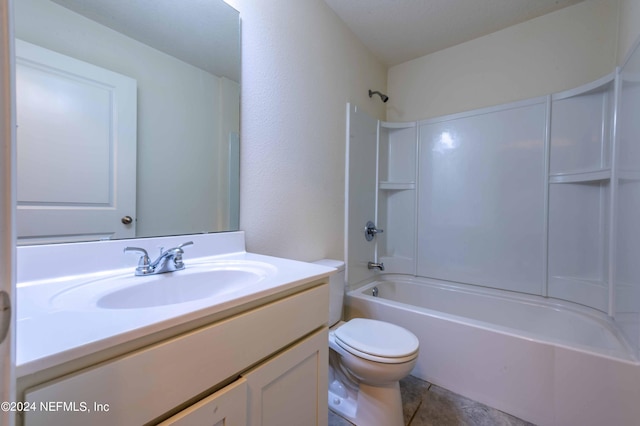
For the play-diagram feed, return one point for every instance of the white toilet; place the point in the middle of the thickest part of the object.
(367, 359)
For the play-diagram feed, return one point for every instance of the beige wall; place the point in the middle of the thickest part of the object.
(629, 27)
(554, 52)
(300, 66)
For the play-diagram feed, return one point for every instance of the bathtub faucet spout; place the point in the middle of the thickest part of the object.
(373, 265)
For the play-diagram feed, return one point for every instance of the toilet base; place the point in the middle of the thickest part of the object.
(370, 406)
(344, 405)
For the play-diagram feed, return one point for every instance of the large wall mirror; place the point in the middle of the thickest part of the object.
(128, 118)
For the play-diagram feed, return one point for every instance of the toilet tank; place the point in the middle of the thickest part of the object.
(336, 289)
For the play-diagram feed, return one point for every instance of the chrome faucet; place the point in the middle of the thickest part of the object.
(168, 261)
(373, 265)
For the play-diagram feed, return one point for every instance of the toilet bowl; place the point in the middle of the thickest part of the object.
(370, 359)
(367, 359)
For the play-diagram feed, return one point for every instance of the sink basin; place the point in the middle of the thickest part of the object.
(196, 282)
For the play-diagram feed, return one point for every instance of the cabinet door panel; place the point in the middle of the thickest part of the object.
(291, 388)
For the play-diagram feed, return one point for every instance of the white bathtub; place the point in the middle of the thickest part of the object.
(545, 361)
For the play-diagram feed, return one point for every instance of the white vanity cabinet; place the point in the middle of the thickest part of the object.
(272, 359)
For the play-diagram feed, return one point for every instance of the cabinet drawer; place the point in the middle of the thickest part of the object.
(227, 407)
(145, 384)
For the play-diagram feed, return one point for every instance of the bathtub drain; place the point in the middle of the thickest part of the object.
(374, 292)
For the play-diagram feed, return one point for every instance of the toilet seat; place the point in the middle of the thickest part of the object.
(377, 341)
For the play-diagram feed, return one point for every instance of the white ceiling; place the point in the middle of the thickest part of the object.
(205, 34)
(394, 30)
(397, 31)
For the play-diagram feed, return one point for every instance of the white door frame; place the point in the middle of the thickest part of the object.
(7, 203)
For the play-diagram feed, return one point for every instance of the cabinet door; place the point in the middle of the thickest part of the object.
(227, 407)
(291, 388)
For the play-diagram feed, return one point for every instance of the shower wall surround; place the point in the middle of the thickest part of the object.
(537, 196)
(481, 198)
(625, 244)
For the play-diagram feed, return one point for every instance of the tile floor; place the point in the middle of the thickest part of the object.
(429, 405)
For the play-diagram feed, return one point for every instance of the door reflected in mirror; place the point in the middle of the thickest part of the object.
(96, 162)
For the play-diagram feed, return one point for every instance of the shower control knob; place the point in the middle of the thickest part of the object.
(370, 231)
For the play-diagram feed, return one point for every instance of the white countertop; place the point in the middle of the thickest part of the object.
(48, 335)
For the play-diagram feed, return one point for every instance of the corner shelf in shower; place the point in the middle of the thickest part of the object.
(396, 185)
(594, 175)
(397, 125)
(396, 200)
(580, 193)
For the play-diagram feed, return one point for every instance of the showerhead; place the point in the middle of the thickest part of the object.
(384, 97)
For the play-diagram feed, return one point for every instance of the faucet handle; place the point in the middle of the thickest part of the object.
(145, 255)
(188, 243)
(371, 231)
(143, 262)
(178, 256)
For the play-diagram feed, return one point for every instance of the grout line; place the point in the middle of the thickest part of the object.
(419, 404)
(415, 412)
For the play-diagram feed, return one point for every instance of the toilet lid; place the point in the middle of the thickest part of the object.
(377, 338)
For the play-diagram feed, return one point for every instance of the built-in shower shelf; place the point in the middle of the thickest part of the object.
(394, 125)
(396, 185)
(581, 176)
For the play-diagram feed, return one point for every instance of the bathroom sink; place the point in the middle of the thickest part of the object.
(196, 282)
